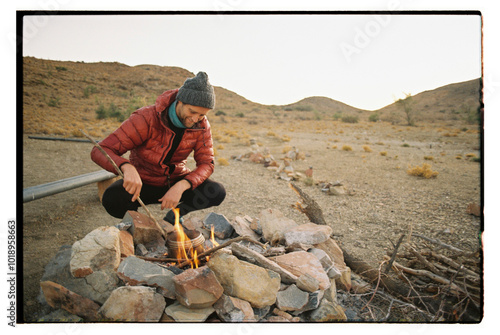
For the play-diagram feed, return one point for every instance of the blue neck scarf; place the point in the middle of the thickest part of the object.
(173, 116)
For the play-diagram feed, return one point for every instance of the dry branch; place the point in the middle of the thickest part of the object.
(223, 245)
(394, 254)
(438, 242)
(121, 175)
(254, 257)
(312, 210)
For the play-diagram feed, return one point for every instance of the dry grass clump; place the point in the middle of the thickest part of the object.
(429, 158)
(347, 148)
(383, 153)
(366, 148)
(222, 161)
(423, 171)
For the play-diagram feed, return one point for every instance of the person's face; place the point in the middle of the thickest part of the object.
(189, 114)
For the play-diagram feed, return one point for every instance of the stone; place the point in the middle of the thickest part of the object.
(302, 262)
(474, 209)
(331, 292)
(140, 250)
(96, 286)
(58, 296)
(193, 223)
(308, 233)
(133, 304)
(143, 229)
(337, 256)
(274, 225)
(60, 315)
(230, 309)
(328, 312)
(126, 244)
(314, 300)
(276, 318)
(260, 313)
(242, 228)
(181, 313)
(325, 260)
(254, 225)
(197, 288)
(292, 299)
(98, 250)
(307, 283)
(222, 227)
(246, 281)
(135, 271)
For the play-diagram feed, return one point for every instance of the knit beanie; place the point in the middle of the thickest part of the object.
(197, 91)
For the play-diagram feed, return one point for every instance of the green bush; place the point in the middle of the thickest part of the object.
(89, 90)
(219, 113)
(374, 117)
(350, 119)
(240, 114)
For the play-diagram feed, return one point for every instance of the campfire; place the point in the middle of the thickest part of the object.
(262, 269)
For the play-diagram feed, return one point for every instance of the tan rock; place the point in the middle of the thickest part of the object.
(328, 312)
(58, 296)
(126, 244)
(337, 256)
(143, 230)
(309, 233)
(302, 262)
(307, 283)
(242, 228)
(98, 250)
(197, 288)
(181, 313)
(134, 304)
(274, 225)
(246, 281)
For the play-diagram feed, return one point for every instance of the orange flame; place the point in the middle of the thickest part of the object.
(212, 237)
(183, 241)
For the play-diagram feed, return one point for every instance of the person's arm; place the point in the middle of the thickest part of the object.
(132, 182)
(173, 196)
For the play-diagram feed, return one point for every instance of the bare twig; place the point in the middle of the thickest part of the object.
(426, 263)
(438, 242)
(394, 254)
(121, 175)
(376, 287)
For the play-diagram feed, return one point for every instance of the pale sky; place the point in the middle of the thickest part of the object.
(366, 61)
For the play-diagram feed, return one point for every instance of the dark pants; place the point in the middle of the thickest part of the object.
(117, 201)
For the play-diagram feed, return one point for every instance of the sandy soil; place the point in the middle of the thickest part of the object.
(386, 202)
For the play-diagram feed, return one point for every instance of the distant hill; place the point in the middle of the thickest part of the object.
(60, 97)
(447, 103)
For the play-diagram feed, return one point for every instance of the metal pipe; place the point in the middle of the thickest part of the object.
(59, 139)
(63, 185)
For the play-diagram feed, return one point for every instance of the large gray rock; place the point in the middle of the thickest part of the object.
(135, 271)
(96, 286)
(222, 227)
(292, 299)
(274, 225)
(98, 250)
(246, 281)
(308, 233)
(133, 304)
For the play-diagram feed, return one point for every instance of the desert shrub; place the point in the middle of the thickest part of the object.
(423, 171)
(383, 153)
(374, 117)
(405, 145)
(112, 112)
(350, 119)
(54, 102)
(285, 138)
(223, 161)
(219, 113)
(471, 155)
(366, 148)
(347, 148)
(308, 181)
(89, 90)
(61, 68)
(428, 158)
(220, 147)
(240, 114)
(271, 134)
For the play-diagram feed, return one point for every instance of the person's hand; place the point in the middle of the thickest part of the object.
(173, 196)
(131, 180)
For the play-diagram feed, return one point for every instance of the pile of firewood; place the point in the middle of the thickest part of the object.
(440, 271)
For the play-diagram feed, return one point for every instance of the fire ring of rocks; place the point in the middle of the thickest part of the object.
(268, 269)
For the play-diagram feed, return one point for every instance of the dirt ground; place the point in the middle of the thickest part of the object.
(386, 201)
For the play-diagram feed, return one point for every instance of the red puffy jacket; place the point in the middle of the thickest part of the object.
(149, 140)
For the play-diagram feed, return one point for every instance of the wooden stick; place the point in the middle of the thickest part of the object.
(438, 242)
(389, 265)
(426, 263)
(223, 245)
(154, 259)
(121, 175)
